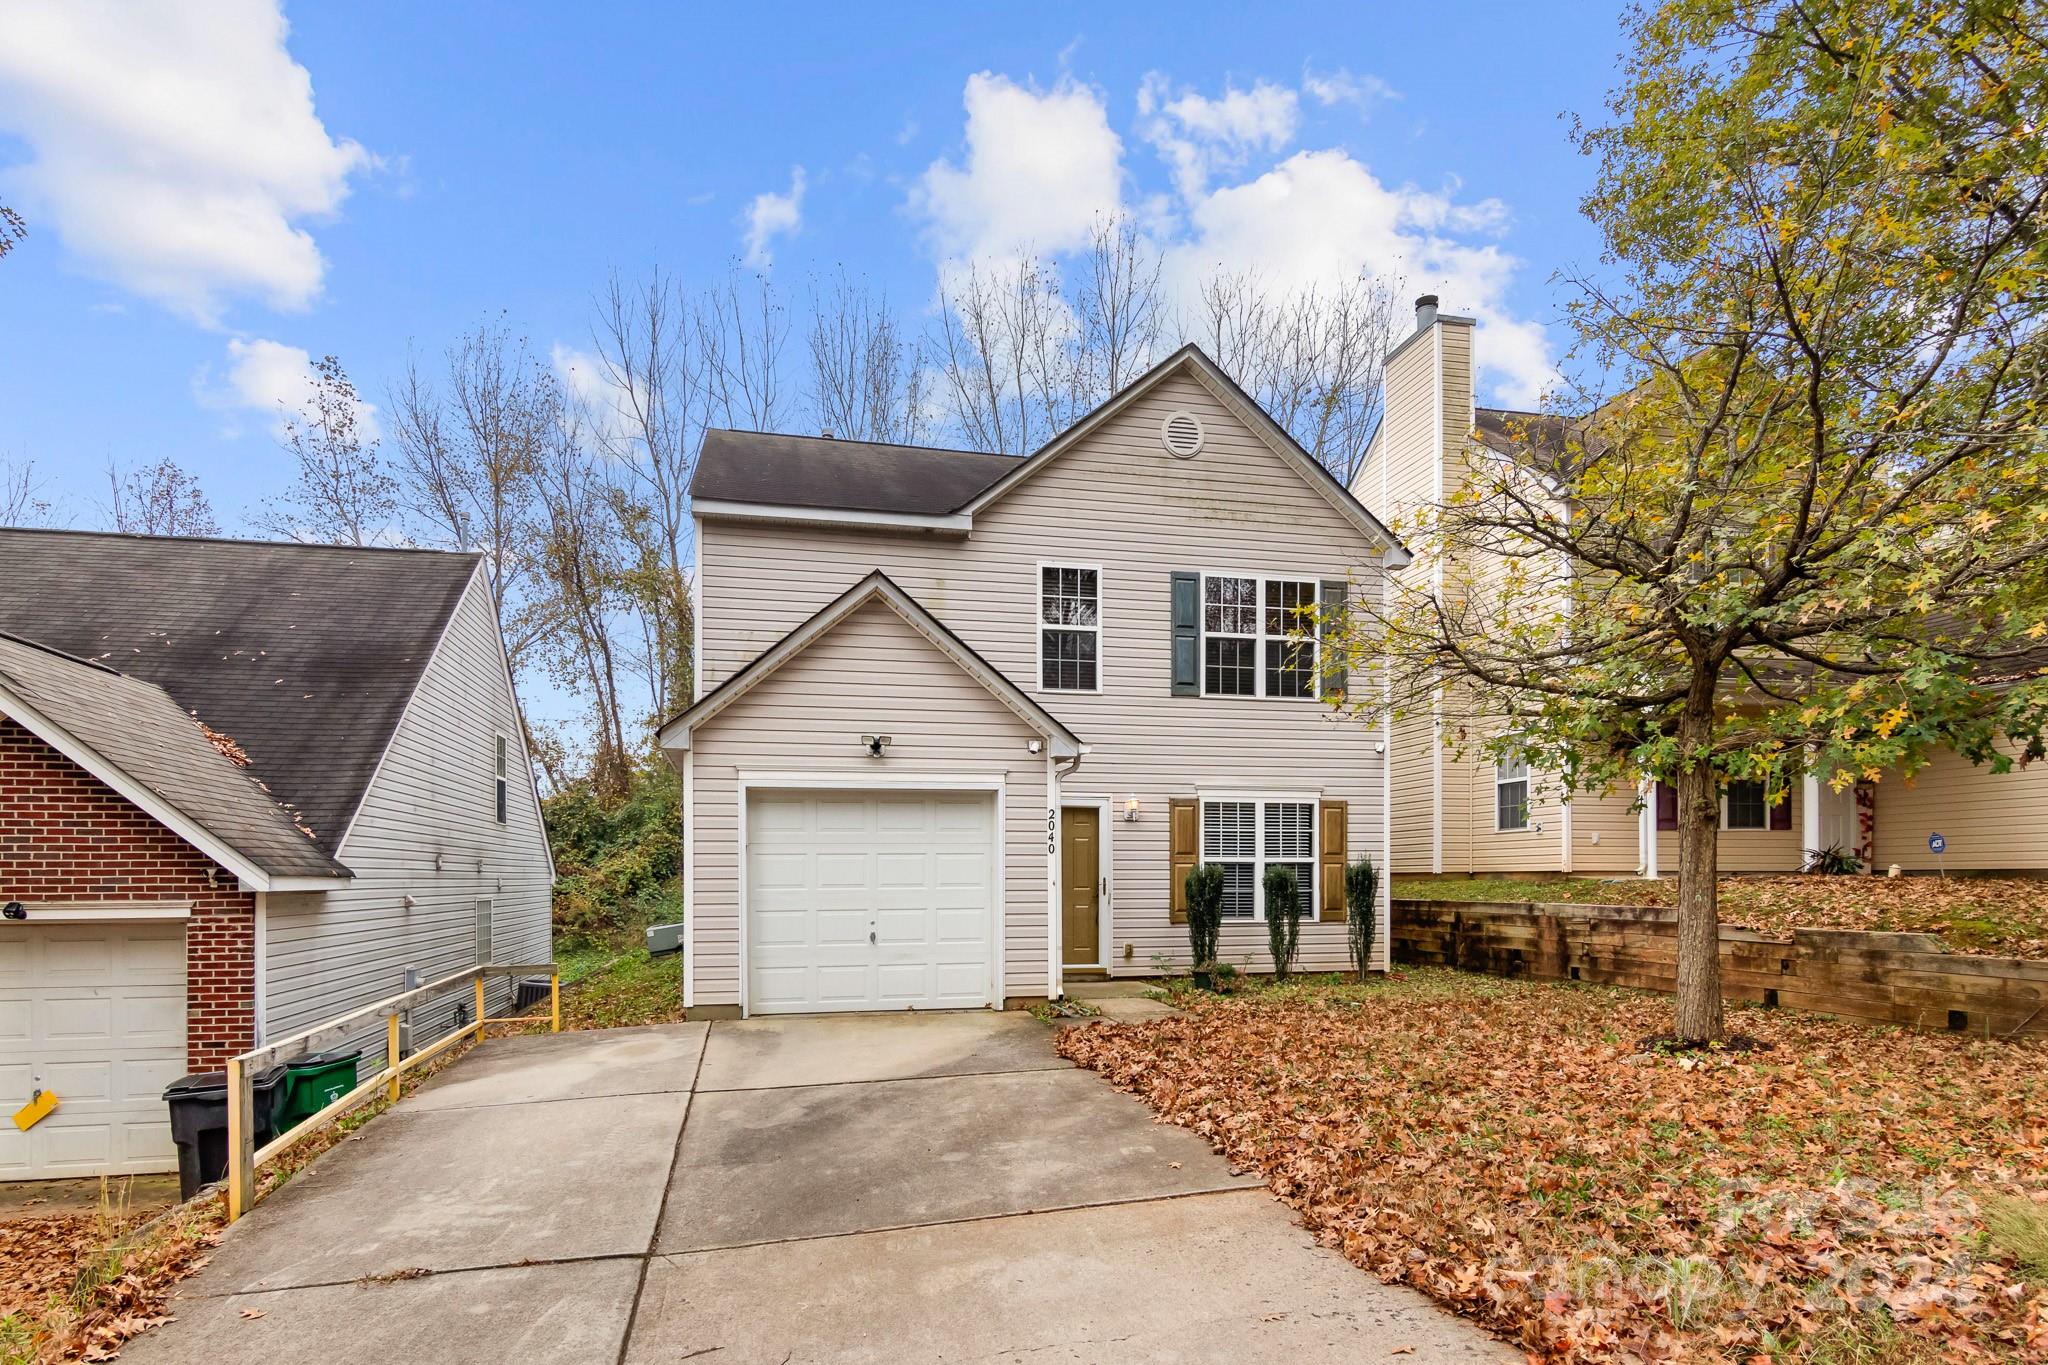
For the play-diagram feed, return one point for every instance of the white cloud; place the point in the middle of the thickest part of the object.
(1342, 87)
(273, 379)
(772, 215)
(1197, 136)
(1040, 165)
(173, 146)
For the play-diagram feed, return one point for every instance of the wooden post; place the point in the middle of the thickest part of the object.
(391, 1055)
(241, 1139)
(479, 1007)
(555, 1001)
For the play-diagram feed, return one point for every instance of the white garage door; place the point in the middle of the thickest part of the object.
(95, 1012)
(869, 902)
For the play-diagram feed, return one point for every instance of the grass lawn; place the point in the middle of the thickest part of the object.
(2006, 916)
(616, 989)
(1851, 1194)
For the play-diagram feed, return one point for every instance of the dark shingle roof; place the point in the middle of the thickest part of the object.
(136, 726)
(304, 655)
(852, 476)
(1506, 431)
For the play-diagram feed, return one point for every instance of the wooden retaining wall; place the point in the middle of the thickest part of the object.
(1908, 979)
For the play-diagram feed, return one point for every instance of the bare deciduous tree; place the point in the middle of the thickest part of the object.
(466, 464)
(21, 500)
(158, 500)
(867, 377)
(1313, 359)
(12, 229)
(742, 329)
(341, 492)
(1006, 355)
(1119, 305)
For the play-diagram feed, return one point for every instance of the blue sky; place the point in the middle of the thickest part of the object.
(212, 190)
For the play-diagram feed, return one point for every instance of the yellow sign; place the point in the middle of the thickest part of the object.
(36, 1110)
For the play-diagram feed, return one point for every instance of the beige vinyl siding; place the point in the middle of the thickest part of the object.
(1992, 821)
(1747, 850)
(1612, 817)
(1414, 816)
(1119, 502)
(433, 799)
(871, 674)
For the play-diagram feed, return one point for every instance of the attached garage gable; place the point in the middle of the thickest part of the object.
(824, 877)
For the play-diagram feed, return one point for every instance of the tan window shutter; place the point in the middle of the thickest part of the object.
(1182, 848)
(1334, 816)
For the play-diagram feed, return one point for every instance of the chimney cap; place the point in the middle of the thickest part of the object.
(1425, 301)
(1425, 312)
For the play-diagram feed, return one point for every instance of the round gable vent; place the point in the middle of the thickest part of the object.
(1181, 434)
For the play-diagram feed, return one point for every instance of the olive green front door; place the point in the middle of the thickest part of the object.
(1081, 886)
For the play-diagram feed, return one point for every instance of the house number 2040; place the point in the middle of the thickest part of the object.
(1052, 831)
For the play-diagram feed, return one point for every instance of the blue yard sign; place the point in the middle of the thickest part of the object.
(1937, 844)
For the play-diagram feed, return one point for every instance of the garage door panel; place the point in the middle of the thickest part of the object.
(894, 893)
(95, 1013)
(70, 1020)
(152, 959)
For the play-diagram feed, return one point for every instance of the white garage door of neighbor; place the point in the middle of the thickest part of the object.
(866, 901)
(95, 1012)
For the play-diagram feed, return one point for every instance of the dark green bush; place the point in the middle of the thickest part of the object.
(1205, 913)
(1361, 909)
(617, 863)
(1283, 917)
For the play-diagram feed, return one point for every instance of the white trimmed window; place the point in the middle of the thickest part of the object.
(1511, 793)
(1748, 806)
(1069, 628)
(1245, 837)
(1259, 637)
(503, 771)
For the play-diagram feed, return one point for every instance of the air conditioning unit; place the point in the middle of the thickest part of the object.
(664, 938)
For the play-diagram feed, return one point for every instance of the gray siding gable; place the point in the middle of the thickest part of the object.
(427, 828)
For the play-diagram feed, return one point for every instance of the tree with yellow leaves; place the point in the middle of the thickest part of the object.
(1795, 518)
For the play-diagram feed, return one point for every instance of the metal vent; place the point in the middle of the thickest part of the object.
(1181, 434)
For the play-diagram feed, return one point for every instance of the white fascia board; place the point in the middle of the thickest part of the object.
(251, 876)
(961, 522)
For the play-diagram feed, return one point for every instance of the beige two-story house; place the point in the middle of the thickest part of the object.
(1457, 813)
(964, 722)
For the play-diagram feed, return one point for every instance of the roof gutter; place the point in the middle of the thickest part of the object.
(957, 522)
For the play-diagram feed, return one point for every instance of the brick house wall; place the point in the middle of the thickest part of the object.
(67, 836)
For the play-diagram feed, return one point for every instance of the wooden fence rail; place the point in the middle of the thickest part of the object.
(245, 1158)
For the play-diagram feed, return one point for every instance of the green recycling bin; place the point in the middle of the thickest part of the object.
(313, 1082)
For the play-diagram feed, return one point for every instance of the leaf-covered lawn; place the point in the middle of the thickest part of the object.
(2006, 916)
(631, 988)
(1503, 1147)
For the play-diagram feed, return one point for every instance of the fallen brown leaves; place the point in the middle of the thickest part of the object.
(1501, 1146)
(89, 1284)
(2004, 916)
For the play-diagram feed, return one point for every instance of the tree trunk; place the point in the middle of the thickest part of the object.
(1699, 920)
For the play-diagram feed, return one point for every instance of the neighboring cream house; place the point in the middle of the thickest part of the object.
(1456, 816)
(964, 722)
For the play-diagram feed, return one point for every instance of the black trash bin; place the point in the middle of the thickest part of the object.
(199, 1122)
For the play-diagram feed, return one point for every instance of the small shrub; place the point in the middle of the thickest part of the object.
(1832, 861)
(1361, 908)
(1205, 913)
(1283, 917)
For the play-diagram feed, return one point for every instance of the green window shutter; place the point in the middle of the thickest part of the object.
(1187, 635)
(1334, 675)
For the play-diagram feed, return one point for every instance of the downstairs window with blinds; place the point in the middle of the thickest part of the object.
(1245, 837)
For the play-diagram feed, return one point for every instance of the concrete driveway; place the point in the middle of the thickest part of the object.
(853, 1188)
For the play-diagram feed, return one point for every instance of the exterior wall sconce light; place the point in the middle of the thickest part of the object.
(1131, 810)
(874, 744)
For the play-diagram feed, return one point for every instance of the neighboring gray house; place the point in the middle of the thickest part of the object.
(243, 788)
(965, 722)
